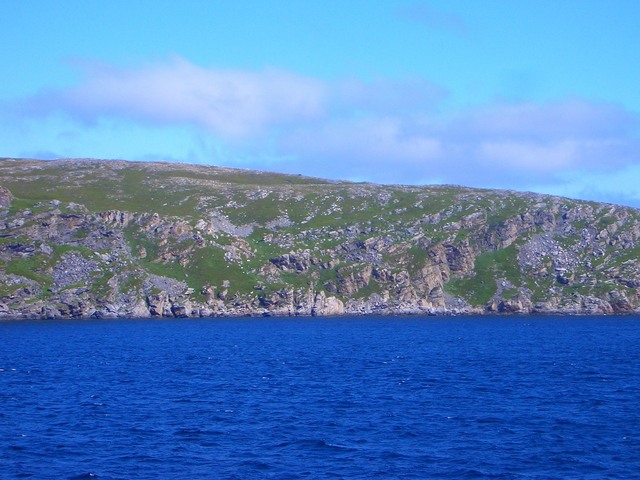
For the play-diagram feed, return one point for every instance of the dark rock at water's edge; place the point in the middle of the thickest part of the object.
(107, 239)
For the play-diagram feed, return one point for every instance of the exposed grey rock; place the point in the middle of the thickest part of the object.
(6, 197)
(353, 249)
(73, 269)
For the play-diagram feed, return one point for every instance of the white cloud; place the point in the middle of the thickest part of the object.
(373, 139)
(528, 156)
(386, 97)
(383, 130)
(230, 103)
(551, 120)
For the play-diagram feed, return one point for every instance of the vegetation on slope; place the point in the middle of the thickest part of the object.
(174, 239)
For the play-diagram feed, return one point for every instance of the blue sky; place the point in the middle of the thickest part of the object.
(515, 94)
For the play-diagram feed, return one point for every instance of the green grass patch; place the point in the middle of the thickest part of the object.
(505, 208)
(8, 290)
(489, 267)
(369, 289)
(32, 267)
(419, 256)
(296, 280)
(628, 254)
(258, 211)
(207, 266)
(605, 221)
(21, 204)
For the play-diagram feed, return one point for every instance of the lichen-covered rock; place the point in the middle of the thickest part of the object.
(6, 197)
(116, 217)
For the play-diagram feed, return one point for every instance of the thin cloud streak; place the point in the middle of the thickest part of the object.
(433, 18)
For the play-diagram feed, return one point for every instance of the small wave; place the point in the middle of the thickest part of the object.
(256, 465)
(472, 473)
(316, 444)
(93, 404)
(196, 432)
(393, 455)
(188, 431)
(84, 476)
(488, 420)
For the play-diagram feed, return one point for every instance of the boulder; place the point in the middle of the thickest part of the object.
(326, 306)
(6, 197)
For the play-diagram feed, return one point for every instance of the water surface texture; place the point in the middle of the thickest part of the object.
(410, 398)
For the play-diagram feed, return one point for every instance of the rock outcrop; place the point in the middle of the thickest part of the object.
(118, 239)
(5, 197)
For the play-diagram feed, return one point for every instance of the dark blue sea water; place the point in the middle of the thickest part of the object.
(409, 398)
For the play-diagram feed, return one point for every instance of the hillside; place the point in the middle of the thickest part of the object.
(88, 238)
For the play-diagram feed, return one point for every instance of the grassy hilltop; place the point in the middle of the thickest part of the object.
(88, 238)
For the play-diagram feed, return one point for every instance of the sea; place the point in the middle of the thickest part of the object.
(321, 398)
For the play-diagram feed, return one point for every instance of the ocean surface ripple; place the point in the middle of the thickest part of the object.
(344, 398)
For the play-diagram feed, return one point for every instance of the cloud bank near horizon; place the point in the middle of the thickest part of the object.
(384, 130)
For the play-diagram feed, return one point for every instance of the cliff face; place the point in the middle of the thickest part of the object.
(86, 238)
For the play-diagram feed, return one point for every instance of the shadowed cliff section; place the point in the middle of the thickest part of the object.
(89, 238)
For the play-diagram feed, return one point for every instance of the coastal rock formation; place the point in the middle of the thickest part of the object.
(107, 239)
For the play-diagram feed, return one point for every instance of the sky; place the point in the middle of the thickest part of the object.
(533, 95)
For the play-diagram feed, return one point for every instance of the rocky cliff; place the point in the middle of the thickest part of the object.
(88, 238)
